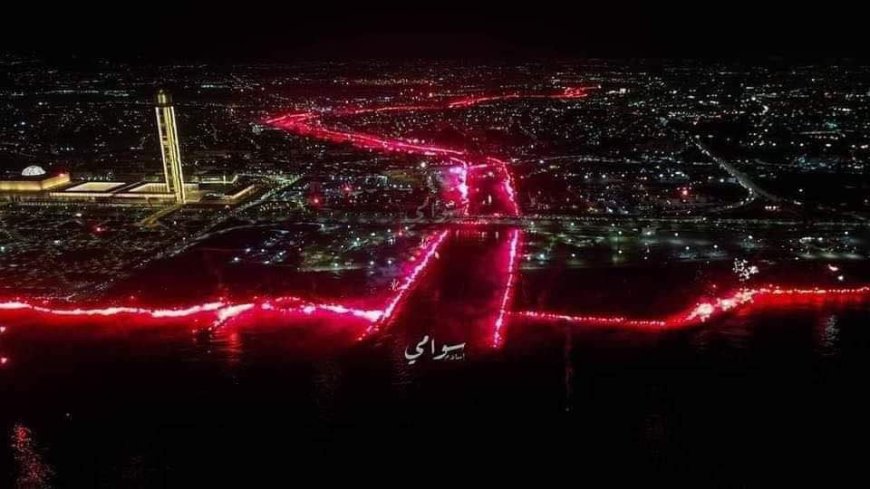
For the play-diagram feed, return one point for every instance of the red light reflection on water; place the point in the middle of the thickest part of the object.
(31, 467)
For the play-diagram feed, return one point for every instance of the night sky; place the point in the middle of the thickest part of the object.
(285, 31)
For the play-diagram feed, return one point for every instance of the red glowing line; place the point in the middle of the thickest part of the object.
(309, 124)
(300, 309)
(706, 310)
(701, 312)
(208, 307)
(481, 99)
(458, 103)
(568, 93)
(507, 294)
(389, 108)
(220, 311)
(428, 251)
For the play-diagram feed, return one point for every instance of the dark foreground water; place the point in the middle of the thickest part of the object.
(254, 405)
(778, 392)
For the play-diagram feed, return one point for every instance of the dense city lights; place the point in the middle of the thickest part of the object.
(511, 259)
(744, 299)
(216, 312)
(468, 181)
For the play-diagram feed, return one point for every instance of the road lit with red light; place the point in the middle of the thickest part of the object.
(417, 268)
(308, 124)
(472, 173)
(217, 312)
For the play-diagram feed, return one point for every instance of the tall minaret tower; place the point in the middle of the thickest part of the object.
(169, 146)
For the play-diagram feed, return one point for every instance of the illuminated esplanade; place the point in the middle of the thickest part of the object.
(121, 190)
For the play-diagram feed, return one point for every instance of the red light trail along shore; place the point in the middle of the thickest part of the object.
(212, 315)
(746, 300)
(217, 312)
(309, 124)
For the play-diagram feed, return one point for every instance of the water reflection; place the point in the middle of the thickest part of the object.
(327, 382)
(136, 396)
(568, 355)
(31, 469)
(159, 404)
(830, 335)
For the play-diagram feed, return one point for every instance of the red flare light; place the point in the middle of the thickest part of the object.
(218, 313)
(428, 251)
(706, 310)
(467, 181)
(511, 267)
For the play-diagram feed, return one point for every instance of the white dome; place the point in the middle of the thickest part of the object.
(33, 171)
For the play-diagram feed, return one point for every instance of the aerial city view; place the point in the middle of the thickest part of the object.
(373, 253)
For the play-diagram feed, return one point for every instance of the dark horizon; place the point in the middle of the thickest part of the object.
(284, 33)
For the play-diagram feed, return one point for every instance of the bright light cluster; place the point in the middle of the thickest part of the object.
(219, 312)
(309, 124)
(744, 270)
(428, 251)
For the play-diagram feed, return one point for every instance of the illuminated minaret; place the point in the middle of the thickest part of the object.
(169, 146)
